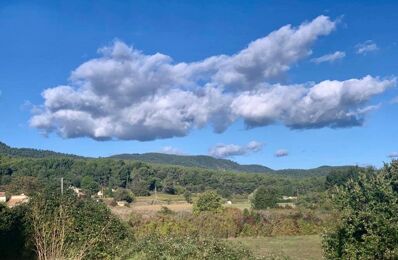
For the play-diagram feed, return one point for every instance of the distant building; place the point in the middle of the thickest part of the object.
(16, 200)
(3, 197)
(122, 203)
(77, 191)
(287, 205)
(289, 198)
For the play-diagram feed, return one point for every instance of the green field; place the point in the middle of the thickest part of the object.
(292, 247)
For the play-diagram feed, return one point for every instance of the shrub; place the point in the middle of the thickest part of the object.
(89, 230)
(185, 247)
(368, 226)
(208, 201)
(123, 194)
(188, 196)
(264, 197)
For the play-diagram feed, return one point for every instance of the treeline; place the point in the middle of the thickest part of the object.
(26, 174)
(6, 150)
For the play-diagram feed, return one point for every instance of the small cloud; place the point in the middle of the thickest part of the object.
(229, 150)
(171, 150)
(393, 155)
(366, 47)
(394, 100)
(332, 57)
(281, 153)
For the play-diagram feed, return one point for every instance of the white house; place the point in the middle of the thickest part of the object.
(3, 197)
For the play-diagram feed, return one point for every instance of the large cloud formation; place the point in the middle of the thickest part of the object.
(125, 94)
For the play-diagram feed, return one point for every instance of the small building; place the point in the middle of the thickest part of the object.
(289, 197)
(16, 200)
(286, 205)
(3, 198)
(78, 191)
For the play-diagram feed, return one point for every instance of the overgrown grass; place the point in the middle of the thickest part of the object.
(291, 247)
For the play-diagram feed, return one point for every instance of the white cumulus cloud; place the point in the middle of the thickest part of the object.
(332, 57)
(128, 95)
(228, 150)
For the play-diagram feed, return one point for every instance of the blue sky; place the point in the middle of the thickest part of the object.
(43, 42)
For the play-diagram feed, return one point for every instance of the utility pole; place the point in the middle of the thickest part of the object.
(62, 186)
(156, 194)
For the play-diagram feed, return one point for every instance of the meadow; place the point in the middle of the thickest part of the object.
(300, 247)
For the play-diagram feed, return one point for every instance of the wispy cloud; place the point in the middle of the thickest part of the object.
(366, 47)
(332, 57)
(229, 150)
(394, 100)
(281, 153)
(393, 155)
(171, 150)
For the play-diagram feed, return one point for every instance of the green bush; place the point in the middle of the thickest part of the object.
(208, 201)
(185, 247)
(368, 226)
(90, 231)
(264, 197)
(123, 194)
(188, 196)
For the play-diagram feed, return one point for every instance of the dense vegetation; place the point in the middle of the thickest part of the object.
(33, 153)
(199, 161)
(368, 222)
(24, 174)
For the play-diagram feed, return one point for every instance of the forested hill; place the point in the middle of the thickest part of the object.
(208, 162)
(198, 161)
(6, 150)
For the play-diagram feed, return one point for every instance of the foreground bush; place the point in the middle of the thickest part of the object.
(67, 227)
(368, 228)
(185, 247)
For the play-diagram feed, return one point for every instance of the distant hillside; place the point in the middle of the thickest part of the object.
(208, 162)
(31, 153)
(315, 172)
(199, 161)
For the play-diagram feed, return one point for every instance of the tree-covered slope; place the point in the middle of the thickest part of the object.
(6, 150)
(199, 161)
(193, 161)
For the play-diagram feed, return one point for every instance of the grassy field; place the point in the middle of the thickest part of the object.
(292, 247)
(149, 205)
